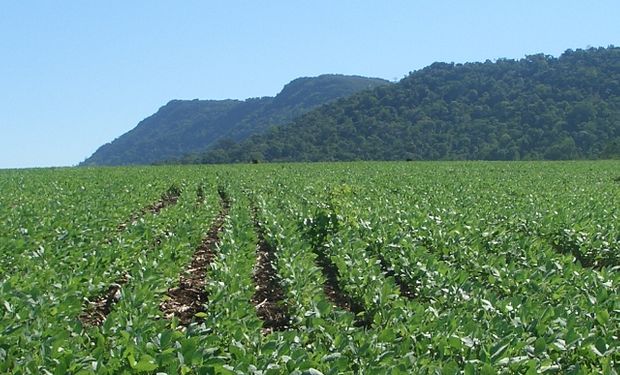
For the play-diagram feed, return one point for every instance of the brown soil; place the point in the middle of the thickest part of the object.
(269, 298)
(168, 198)
(405, 290)
(575, 252)
(335, 294)
(100, 306)
(190, 297)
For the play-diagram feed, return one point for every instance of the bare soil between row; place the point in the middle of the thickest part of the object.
(269, 299)
(169, 198)
(190, 296)
(99, 307)
(405, 289)
(334, 292)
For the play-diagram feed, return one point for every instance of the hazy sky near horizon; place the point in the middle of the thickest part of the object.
(75, 75)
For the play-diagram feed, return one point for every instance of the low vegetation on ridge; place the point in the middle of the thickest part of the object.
(188, 126)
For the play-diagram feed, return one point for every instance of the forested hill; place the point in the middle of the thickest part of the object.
(186, 126)
(538, 107)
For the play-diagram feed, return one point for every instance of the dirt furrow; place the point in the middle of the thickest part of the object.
(168, 198)
(269, 298)
(563, 243)
(584, 260)
(405, 290)
(98, 307)
(190, 297)
(335, 294)
(316, 231)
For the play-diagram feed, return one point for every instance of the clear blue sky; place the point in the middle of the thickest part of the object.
(77, 74)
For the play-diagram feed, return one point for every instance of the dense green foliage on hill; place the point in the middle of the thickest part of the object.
(538, 107)
(185, 126)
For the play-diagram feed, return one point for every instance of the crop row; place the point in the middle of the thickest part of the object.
(341, 268)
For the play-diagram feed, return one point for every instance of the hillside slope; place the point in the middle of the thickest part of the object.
(538, 107)
(186, 126)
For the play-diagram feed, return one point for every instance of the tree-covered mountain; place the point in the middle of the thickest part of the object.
(188, 126)
(538, 107)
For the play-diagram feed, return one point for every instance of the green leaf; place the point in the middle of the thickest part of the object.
(602, 317)
(601, 346)
(323, 307)
(8, 306)
(146, 364)
(498, 352)
(540, 345)
(487, 369)
(455, 342)
(387, 335)
(132, 361)
(331, 357)
(451, 368)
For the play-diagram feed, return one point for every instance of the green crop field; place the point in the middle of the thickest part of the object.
(380, 268)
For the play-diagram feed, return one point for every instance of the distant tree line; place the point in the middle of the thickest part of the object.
(538, 107)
